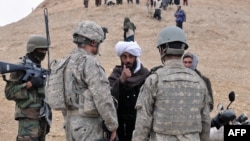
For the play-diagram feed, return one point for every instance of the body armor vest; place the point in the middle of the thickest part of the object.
(179, 100)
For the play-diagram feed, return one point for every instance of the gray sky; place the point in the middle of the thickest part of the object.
(15, 10)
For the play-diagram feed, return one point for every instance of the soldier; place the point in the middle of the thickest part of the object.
(126, 81)
(172, 103)
(85, 80)
(29, 96)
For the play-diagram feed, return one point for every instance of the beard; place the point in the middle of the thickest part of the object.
(131, 66)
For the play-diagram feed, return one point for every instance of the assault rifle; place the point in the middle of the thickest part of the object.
(30, 70)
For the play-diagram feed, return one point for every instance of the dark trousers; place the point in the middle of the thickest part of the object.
(157, 14)
(151, 3)
(125, 129)
(118, 1)
(179, 24)
(86, 3)
(176, 2)
(32, 129)
(130, 38)
(170, 2)
(98, 2)
(185, 2)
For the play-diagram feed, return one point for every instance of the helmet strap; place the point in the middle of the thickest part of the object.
(96, 45)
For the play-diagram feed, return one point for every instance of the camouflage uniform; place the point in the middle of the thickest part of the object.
(172, 105)
(27, 111)
(30, 106)
(92, 94)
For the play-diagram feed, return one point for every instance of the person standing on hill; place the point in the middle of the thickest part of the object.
(164, 4)
(129, 30)
(98, 3)
(118, 2)
(185, 2)
(86, 3)
(176, 2)
(180, 16)
(150, 5)
(157, 6)
(125, 81)
(29, 96)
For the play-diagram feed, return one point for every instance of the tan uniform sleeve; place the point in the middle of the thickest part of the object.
(144, 107)
(99, 86)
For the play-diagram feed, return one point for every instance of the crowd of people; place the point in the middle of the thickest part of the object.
(154, 7)
(168, 102)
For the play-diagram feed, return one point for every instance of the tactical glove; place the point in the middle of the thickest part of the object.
(37, 82)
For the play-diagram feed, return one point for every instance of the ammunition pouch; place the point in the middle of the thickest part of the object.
(86, 104)
(26, 102)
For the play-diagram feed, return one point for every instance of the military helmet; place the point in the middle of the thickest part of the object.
(36, 41)
(171, 34)
(89, 30)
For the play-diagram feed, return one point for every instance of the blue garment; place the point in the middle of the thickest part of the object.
(130, 38)
(180, 16)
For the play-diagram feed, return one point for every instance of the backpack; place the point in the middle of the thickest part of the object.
(55, 89)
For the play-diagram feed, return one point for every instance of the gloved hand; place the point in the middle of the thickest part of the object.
(37, 82)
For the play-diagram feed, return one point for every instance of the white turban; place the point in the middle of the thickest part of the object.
(130, 47)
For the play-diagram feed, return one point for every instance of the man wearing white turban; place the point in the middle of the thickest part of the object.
(125, 81)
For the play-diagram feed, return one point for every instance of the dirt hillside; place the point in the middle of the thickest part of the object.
(217, 32)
